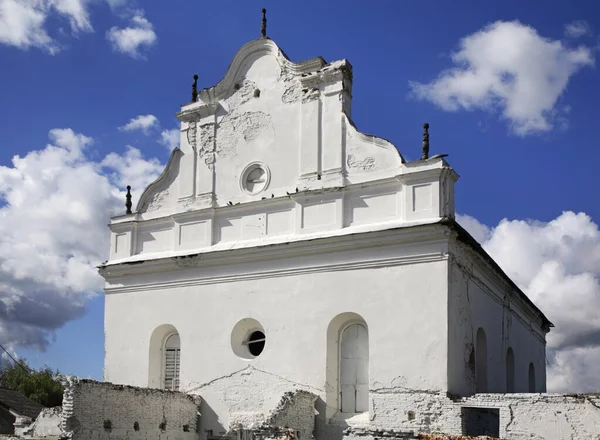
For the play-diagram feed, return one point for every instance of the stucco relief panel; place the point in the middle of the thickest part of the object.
(191, 133)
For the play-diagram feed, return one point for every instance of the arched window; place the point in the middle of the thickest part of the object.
(510, 371)
(354, 369)
(531, 378)
(481, 362)
(172, 362)
(347, 366)
(164, 358)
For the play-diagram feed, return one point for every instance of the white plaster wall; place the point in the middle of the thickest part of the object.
(476, 299)
(403, 305)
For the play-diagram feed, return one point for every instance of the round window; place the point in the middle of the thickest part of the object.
(248, 338)
(255, 178)
(256, 343)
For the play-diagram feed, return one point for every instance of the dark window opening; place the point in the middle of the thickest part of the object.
(480, 421)
(256, 343)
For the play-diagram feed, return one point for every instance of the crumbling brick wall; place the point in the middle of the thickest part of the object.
(98, 410)
(543, 416)
(401, 413)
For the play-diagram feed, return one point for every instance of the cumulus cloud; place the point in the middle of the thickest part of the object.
(22, 25)
(132, 39)
(54, 206)
(169, 138)
(144, 123)
(23, 22)
(557, 264)
(577, 29)
(132, 168)
(508, 67)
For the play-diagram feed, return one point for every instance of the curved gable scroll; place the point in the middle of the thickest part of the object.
(366, 152)
(159, 192)
(253, 49)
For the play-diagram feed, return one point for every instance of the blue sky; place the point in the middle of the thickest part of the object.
(517, 116)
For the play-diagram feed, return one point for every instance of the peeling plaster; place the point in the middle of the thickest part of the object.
(293, 88)
(244, 93)
(232, 130)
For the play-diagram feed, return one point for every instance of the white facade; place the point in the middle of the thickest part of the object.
(278, 229)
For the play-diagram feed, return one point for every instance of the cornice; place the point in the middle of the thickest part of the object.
(387, 262)
(338, 71)
(196, 112)
(522, 314)
(523, 311)
(421, 234)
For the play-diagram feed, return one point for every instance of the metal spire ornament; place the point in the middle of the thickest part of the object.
(195, 89)
(263, 28)
(128, 200)
(425, 154)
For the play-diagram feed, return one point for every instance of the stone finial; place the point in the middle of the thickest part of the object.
(425, 141)
(263, 28)
(195, 89)
(128, 200)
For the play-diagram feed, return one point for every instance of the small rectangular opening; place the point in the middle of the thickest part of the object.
(480, 421)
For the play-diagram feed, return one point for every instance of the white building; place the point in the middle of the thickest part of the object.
(283, 249)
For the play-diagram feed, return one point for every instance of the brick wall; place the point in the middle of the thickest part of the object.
(98, 410)
(399, 413)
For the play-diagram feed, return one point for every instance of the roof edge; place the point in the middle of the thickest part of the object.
(465, 237)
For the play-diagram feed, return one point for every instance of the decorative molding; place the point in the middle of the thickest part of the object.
(187, 261)
(367, 164)
(195, 260)
(422, 235)
(338, 71)
(196, 111)
(191, 133)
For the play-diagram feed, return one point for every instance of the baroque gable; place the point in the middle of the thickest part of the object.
(271, 151)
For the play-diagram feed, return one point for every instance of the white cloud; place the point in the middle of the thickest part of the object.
(54, 206)
(508, 67)
(169, 138)
(132, 169)
(557, 264)
(132, 39)
(23, 22)
(577, 29)
(77, 13)
(144, 123)
(22, 25)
